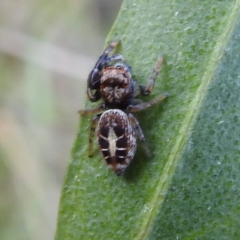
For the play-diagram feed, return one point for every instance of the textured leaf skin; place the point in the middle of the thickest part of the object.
(203, 200)
(190, 188)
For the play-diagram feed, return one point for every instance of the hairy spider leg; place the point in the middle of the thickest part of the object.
(92, 111)
(111, 46)
(147, 90)
(94, 122)
(93, 96)
(135, 124)
(117, 57)
(105, 59)
(142, 106)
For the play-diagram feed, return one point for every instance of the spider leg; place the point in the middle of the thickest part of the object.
(111, 46)
(94, 76)
(91, 111)
(145, 105)
(93, 96)
(114, 58)
(135, 124)
(92, 132)
(147, 90)
(105, 59)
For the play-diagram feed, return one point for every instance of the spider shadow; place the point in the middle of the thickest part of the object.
(141, 160)
(145, 118)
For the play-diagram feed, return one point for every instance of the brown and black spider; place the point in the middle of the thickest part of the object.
(117, 126)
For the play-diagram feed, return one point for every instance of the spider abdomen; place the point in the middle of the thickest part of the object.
(116, 139)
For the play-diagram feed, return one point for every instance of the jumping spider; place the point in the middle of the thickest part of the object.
(117, 126)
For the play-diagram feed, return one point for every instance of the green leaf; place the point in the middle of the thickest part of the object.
(190, 188)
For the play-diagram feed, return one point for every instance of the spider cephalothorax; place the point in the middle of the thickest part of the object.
(116, 85)
(111, 81)
(117, 126)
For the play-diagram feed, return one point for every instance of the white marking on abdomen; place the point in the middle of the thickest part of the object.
(104, 149)
(112, 139)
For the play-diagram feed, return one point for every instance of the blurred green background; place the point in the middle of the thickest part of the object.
(47, 49)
